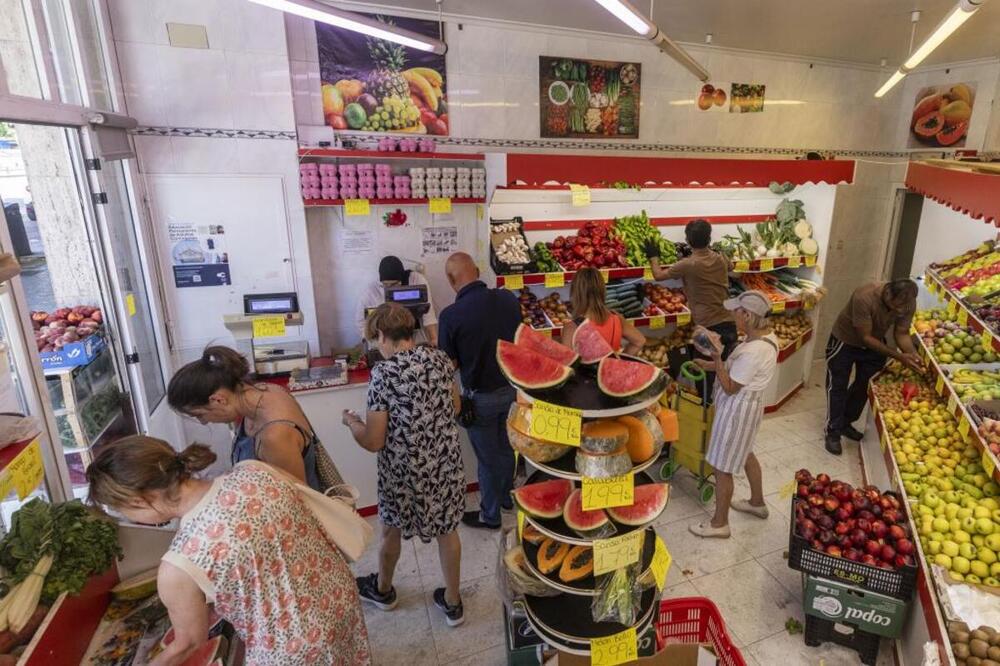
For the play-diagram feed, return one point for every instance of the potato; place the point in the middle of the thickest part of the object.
(978, 647)
(961, 650)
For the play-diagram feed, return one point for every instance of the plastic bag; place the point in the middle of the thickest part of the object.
(513, 577)
(617, 596)
(705, 341)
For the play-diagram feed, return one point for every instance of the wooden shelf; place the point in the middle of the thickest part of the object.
(388, 155)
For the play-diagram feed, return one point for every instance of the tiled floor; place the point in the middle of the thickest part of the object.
(747, 575)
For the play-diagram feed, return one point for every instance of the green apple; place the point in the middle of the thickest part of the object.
(951, 497)
(967, 503)
(930, 499)
(967, 550)
(954, 525)
(957, 577)
(960, 565)
(978, 540)
(941, 525)
(951, 510)
(996, 516)
(993, 542)
(925, 510)
(979, 568)
(961, 537)
(969, 524)
(934, 547)
(963, 513)
(991, 489)
(943, 560)
(973, 579)
(950, 548)
(936, 536)
(991, 581)
(990, 503)
(985, 526)
(986, 555)
(981, 512)
(995, 569)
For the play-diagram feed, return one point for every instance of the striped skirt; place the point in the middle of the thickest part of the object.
(734, 430)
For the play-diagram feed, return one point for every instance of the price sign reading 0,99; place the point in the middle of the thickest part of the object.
(555, 423)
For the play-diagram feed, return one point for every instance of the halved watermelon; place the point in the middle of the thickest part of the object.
(590, 344)
(528, 369)
(544, 345)
(544, 499)
(580, 521)
(650, 501)
(621, 378)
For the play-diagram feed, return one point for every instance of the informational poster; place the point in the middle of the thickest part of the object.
(588, 98)
(941, 116)
(439, 240)
(199, 256)
(746, 98)
(374, 85)
(357, 243)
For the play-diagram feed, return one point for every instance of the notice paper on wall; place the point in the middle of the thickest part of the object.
(357, 243)
(439, 240)
(198, 255)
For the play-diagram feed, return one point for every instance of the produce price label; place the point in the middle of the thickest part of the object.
(986, 340)
(617, 649)
(742, 266)
(952, 308)
(580, 195)
(657, 322)
(555, 423)
(798, 344)
(520, 524)
(24, 472)
(513, 281)
(767, 264)
(779, 306)
(612, 491)
(963, 428)
(683, 318)
(439, 204)
(939, 385)
(269, 327)
(130, 304)
(788, 489)
(988, 464)
(647, 274)
(555, 280)
(952, 403)
(357, 207)
(794, 262)
(661, 563)
(605, 275)
(617, 552)
(810, 261)
(963, 317)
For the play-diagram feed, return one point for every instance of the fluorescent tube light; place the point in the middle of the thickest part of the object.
(339, 18)
(959, 14)
(627, 14)
(888, 85)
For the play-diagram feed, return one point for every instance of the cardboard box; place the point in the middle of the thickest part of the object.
(675, 654)
(868, 611)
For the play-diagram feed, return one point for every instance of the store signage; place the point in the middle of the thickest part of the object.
(939, 385)
(788, 489)
(963, 427)
(963, 317)
(868, 611)
(619, 648)
(24, 473)
(440, 205)
(742, 266)
(647, 274)
(555, 280)
(767, 264)
(988, 464)
(810, 260)
(683, 318)
(986, 340)
(661, 563)
(658, 321)
(130, 304)
(952, 403)
(611, 491)
(794, 262)
(357, 207)
(269, 327)
(617, 552)
(580, 195)
(513, 281)
(605, 275)
(779, 306)
(520, 524)
(555, 423)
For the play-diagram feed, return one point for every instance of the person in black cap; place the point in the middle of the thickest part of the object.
(391, 274)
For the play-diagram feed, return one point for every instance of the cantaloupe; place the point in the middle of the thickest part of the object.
(519, 435)
(602, 436)
(640, 440)
(669, 424)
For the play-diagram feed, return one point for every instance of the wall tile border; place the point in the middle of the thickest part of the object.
(216, 133)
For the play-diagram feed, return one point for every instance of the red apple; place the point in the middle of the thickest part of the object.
(866, 514)
(816, 544)
(803, 476)
(834, 550)
(873, 547)
(869, 560)
(890, 516)
(893, 500)
(842, 514)
(852, 554)
(827, 537)
(859, 537)
(878, 529)
(841, 528)
(823, 479)
(825, 521)
(896, 533)
(863, 524)
(815, 499)
(886, 565)
(888, 553)
(803, 490)
(831, 504)
(904, 546)
(872, 493)
(815, 512)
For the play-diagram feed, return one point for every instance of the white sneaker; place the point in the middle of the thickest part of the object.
(744, 506)
(706, 530)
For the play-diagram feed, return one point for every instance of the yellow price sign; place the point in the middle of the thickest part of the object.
(952, 403)
(611, 491)
(130, 304)
(605, 275)
(269, 327)
(741, 266)
(647, 274)
(986, 340)
(660, 565)
(617, 552)
(811, 261)
(798, 344)
(788, 489)
(555, 280)
(683, 318)
(963, 428)
(580, 195)
(555, 423)
(658, 321)
(439, 205)
(357, 207)
(520, 524)
(513, 281)
(963, 317)
(952, 307)
(988, 464)
(778, 307)
(882, 441)
(939, 385)
(767, 264)
(619, 648)
(794, 262)
(24, 473)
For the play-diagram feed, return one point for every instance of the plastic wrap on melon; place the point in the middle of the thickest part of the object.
(513, 578)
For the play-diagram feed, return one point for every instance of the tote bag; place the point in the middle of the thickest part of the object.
(344, 528)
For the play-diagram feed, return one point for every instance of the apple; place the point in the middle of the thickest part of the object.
(890, 516)
(886, 565)
(815, 499)
(834, 550)
(827, 537)
(873, 547)
(823, 479)
(887, 553)
(844, 492)
(866, 514)
(825, 522)
(904, 546)
(857, 496)
(831, 504)
(878, 529)
(852, 554)
(896, 532)
(893, 500)
(859, 537)
(842, 514)
(872, 493)
(876, 511)
(869, 560)
(841, 528)
(847, 506)
(815, 512)
(803, 490)
(863, 524)
(705, 101)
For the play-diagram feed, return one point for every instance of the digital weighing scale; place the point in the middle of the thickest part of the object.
(268, 359)
(413, 297)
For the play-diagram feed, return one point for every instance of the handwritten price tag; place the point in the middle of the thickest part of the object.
(513, 281)
(882, 439)
(555, 423)
(580, 195)
(952, 403)
(963, 317)
(810, 261)
(963, 428)
(952, 308)
(798, 344)
(24, 472)
(617, 552)
(988, 464)
(660, 565)
(269, 327)
(612, 491)
(357, 207)
(647, 274)
(683, 318)
(794, 262)
(555, 280)
(767, 264)
(439, 205)
(939, 385)
(742, 266)
(657, 322)
(617, 649)
(778, 306)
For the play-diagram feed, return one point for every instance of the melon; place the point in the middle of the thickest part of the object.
(528, 369)
(603, 436)
(518, 432)
(551, 554)
(644, 435)
(580, 521)
(544, 345)
(531, 534)
(590, 344)
(139, 586)
(544, 499)
(669, 424)
(603, 465)
(622, 378)
(650, 501)
(578, 563)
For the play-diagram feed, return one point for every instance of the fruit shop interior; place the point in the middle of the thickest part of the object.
(176, 174)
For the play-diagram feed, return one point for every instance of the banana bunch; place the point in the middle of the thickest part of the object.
(967, 376)
(426, 83)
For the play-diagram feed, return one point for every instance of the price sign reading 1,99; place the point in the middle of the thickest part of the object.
(617, 552)
(608, 492)
(555, 423)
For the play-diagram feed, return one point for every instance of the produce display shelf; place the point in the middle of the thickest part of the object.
(517, 280)
(944, 388)
(94, 392)
(786, 352)
(321, 203)
(954, 302)
(655, 321)
(548, 225)
(388, 154)
(759, 265)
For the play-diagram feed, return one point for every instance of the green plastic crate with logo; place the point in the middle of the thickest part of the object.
(868, 611)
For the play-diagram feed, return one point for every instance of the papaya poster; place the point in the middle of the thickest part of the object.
(373, 85)
(588, 98)
(941, 115)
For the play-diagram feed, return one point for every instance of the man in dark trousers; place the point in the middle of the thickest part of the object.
(857, 343)
(468, 331)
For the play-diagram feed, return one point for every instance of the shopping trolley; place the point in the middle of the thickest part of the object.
(694, 416)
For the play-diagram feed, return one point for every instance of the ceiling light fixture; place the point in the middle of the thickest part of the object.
(958, 15)
(323, 13)
(631, 17)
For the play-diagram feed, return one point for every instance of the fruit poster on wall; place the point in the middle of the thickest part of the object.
(588, 98)
(941, 115)
(374, 85)
(742, 98)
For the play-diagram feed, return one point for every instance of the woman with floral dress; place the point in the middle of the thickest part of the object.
(247, 544)
(412, 405)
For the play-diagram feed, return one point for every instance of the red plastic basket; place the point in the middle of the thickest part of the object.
(697, 620)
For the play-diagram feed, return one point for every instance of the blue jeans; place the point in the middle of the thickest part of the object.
(494, 454)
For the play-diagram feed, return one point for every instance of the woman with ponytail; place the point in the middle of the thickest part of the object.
(270, 426)
(244, 544)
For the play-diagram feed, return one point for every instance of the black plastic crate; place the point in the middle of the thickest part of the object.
(865, 644)
(899, 583)
(501, 267)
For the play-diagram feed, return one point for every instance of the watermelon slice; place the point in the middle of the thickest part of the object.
(580, 521)
(544, 499)
(650, 501)
(622, 379)
(528, 369)
(544, 345)
(590, 344)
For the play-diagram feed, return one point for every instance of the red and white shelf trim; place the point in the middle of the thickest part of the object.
(387, 155)
(963, 189)
(320, 203)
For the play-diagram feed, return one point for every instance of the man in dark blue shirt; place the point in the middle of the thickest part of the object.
(468, 331)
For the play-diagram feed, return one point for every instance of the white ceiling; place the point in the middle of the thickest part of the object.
(848, 30)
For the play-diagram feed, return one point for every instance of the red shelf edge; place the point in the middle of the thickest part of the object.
(542, 225)
(326, 203)
(389, 155)
(788, 351)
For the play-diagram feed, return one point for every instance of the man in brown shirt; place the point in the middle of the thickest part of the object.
(857, 343)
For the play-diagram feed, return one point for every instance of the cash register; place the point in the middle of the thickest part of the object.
(413, 297)
(277, 358)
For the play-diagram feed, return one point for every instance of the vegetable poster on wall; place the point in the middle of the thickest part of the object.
(198, 254)
(588, 98)
(374, 85)
(941, 115)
